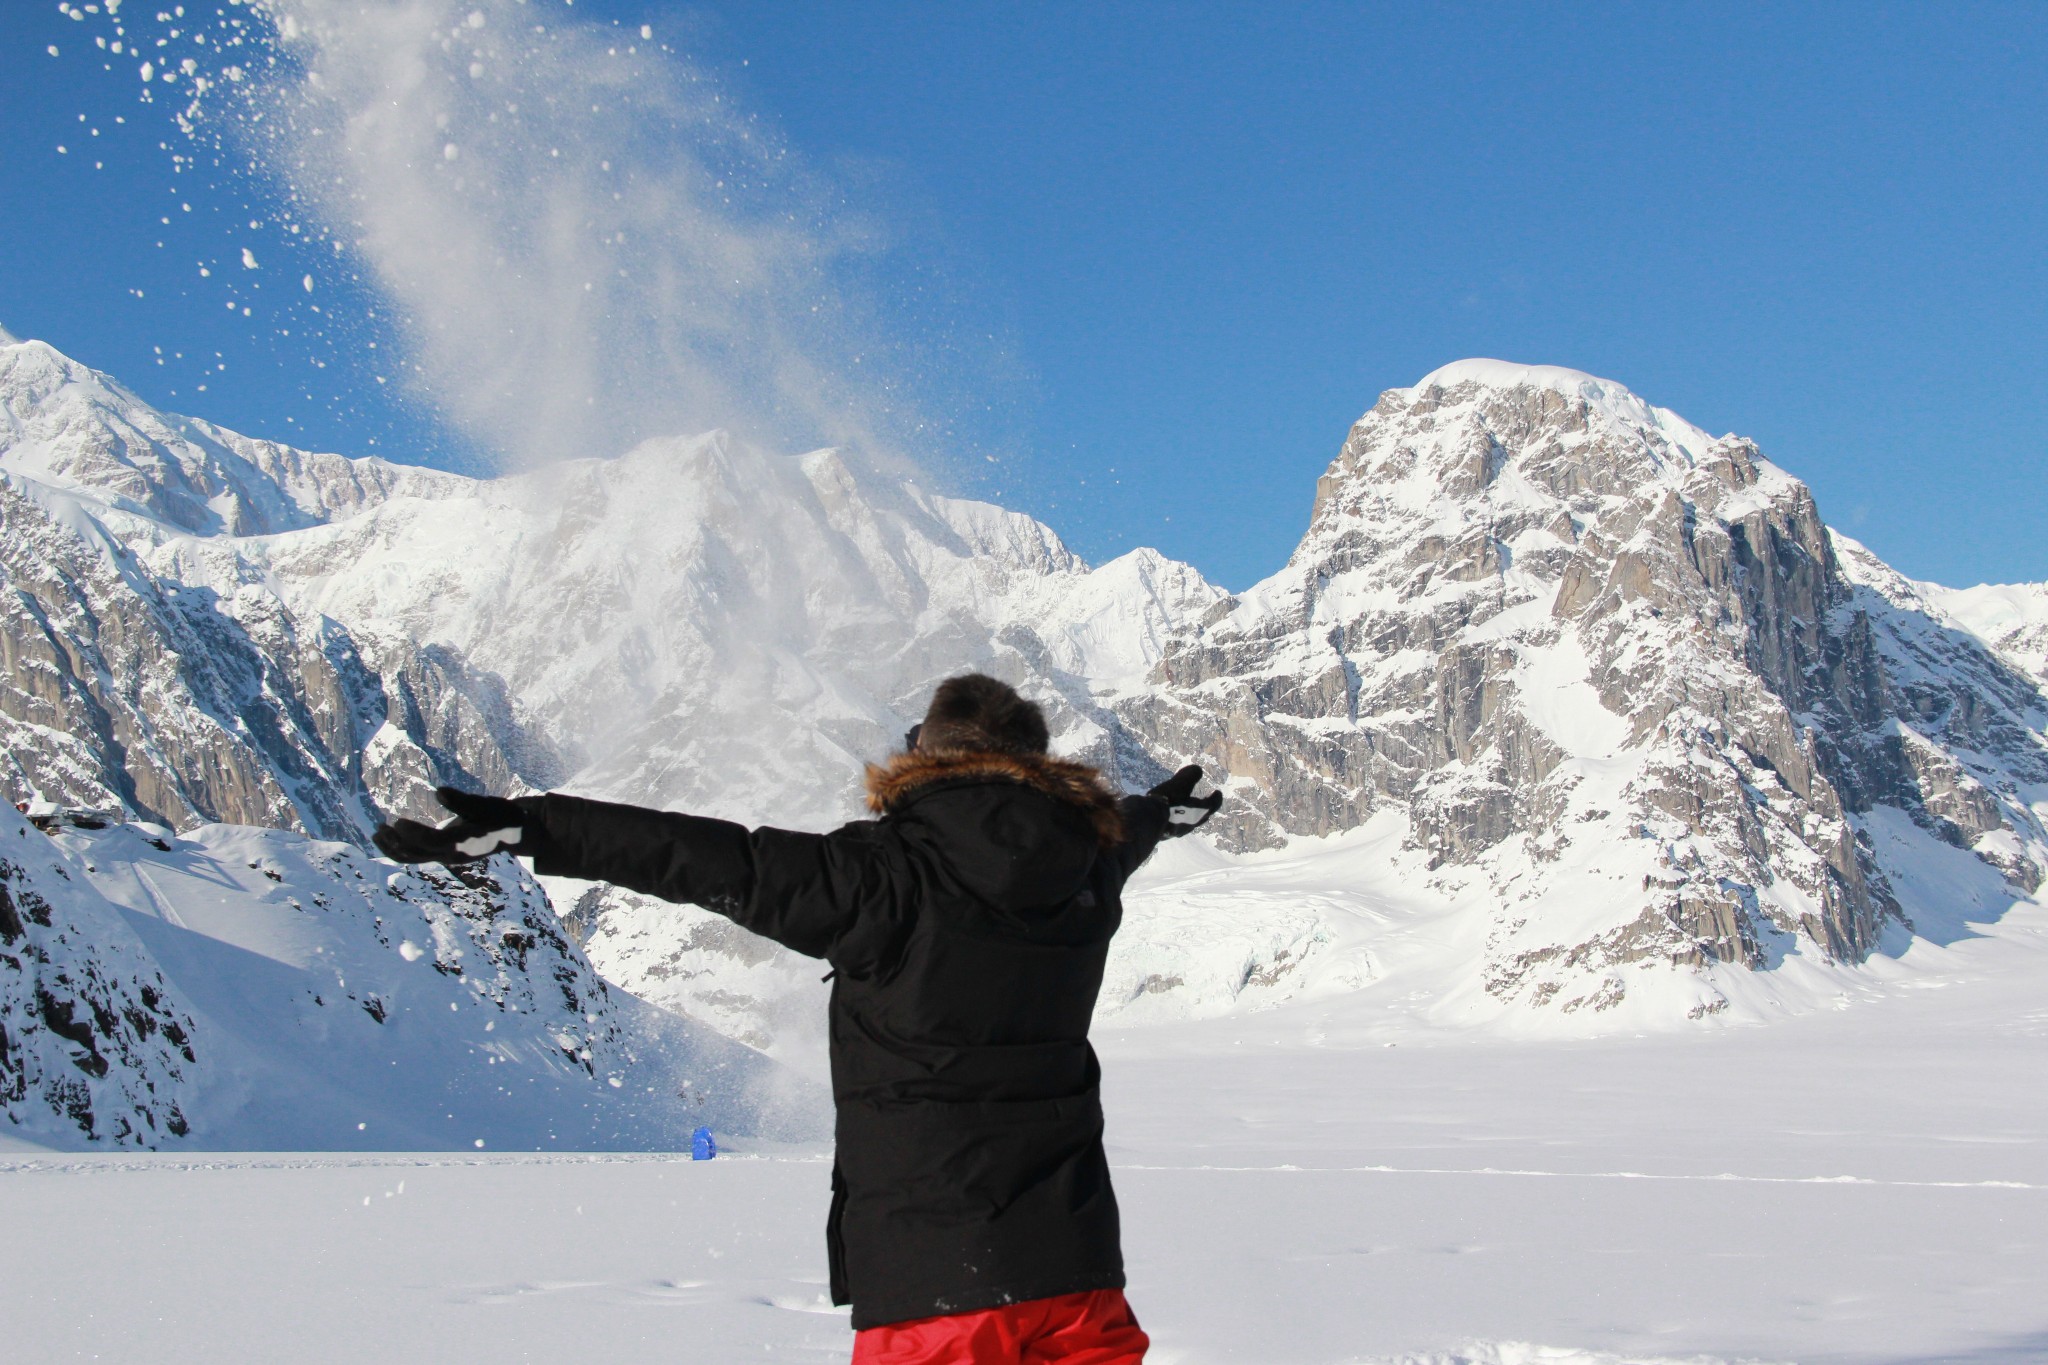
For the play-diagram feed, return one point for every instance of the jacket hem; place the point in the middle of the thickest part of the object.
(895, 1309)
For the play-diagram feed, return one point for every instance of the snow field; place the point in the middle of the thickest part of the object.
(1866, 1185)
(632, 1260)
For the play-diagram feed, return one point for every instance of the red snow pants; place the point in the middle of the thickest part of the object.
(1095, 1328)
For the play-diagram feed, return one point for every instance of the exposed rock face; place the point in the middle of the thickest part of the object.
(1615, 664)
(119, 688)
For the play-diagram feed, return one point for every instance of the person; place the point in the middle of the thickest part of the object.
(972, 1219)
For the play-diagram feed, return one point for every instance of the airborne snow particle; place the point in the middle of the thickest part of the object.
(308, 282)
(646, 31)
(410, 951)
(450, 152)
(248, 259)
(53, 49)
(149, 71)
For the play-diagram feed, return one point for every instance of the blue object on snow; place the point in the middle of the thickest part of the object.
(702, 1146)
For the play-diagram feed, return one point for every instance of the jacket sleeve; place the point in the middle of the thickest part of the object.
(1144, 826)
(844, 896)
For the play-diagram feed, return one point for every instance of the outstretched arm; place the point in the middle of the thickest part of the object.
(836, 896)
(662, 853)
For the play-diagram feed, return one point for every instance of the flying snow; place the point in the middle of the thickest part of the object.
(667, 266)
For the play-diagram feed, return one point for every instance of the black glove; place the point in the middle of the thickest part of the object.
(483, 825)
(1185, 811)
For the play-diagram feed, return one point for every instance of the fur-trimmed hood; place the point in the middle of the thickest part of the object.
(893, 783)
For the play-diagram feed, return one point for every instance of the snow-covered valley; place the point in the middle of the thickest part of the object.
(1324, 1183)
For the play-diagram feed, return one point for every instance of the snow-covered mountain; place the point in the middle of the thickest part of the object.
(2012, 618)
(635, 625)
(208, 628)
(1567, 665)
(1615, 667)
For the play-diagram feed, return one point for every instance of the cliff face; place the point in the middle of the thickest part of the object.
(1616, 666)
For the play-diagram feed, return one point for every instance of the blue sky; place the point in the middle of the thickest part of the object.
(1144, 264)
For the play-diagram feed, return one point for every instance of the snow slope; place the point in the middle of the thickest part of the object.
(254, 989)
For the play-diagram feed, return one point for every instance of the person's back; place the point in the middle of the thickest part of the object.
(970, 1164)
(967, 928)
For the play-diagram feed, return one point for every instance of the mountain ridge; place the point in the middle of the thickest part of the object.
(1606, 681)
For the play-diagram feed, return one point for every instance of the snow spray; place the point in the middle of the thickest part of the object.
(580, 235)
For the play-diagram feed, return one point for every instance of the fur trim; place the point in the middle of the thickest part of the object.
(1075, 784)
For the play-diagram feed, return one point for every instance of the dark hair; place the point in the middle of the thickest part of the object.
(975, 711)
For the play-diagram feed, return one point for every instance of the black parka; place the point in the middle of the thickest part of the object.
(967, 928)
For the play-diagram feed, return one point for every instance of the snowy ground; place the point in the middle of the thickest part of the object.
(1356, 1165)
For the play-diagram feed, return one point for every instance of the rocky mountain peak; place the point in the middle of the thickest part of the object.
(1600, 658)
(1520, 438)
